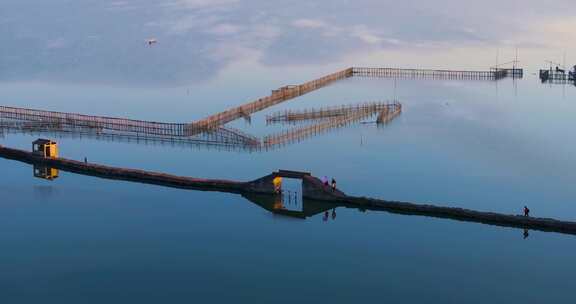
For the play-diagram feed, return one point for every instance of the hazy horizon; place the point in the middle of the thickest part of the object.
(104, 41)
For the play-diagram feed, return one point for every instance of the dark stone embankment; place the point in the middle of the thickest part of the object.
(465, 215)
(313, 189)
(115, 173)
(312, 186)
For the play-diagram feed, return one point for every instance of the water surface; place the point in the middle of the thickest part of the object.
(484, 145)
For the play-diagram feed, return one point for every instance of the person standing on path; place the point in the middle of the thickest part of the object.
(333, 184)
(526, 211)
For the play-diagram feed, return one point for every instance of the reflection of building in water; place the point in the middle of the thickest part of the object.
(288, 193)
(288, 201)
(43, 191)
(45, 172)
(279, 205)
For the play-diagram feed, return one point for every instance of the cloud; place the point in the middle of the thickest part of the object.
(224, 29)
(310, 23)
(197, 38)
(192, 23)
(366, 35)
(57, 43)
(201, 4)
(360, 32)
(119, 3)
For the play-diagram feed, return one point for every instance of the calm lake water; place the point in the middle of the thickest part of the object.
(483, 145)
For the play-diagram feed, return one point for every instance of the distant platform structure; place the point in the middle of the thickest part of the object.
(558, 75)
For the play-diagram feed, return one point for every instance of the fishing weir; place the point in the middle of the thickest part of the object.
(211, 132)
(29, 121)
(278, 96)
(289, 92)
(94, 122)
(327, 119)
(492, 74)
(292, 117)
(558, 76)
(312, 190)
(71, 125)
(217, 140)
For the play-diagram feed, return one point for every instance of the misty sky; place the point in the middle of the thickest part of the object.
(103, 41)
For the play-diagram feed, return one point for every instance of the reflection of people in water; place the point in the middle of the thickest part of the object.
(327, 215)
(526, 234)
